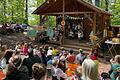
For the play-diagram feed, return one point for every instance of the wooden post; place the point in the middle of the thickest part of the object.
(40, 18)
(63, 22)
(119, 30)
(94, 23)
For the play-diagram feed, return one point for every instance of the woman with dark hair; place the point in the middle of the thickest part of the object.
(94, 54)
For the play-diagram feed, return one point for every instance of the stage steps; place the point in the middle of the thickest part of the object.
(85, 48)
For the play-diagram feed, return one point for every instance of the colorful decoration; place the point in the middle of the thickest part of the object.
(71, 69)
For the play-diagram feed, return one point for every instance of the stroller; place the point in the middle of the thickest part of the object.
(106, 76)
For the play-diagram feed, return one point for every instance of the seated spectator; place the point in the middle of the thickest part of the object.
(57, 73)
(114, 66)
(2, 60)
(17, 72)
(94, 54)
(55, 51)
(89, 70)
(49, 54)
(14, 56)
(70, 57)
(25, 49)
(30, 61)
(39, 71)
(80, 57)
(94, 57)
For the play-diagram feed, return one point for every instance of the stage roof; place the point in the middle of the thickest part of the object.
(71, 7)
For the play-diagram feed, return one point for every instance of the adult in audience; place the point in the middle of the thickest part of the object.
(114, 66)
(39, 71)
(17, 72)
(89, 70)
(30, 61)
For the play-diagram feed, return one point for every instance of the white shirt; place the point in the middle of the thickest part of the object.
(49, 52)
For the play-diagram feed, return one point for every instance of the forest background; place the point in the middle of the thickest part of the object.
(21, 11)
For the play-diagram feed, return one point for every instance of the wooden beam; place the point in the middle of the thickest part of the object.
(94, 23)
(88, 17)
(59, 13)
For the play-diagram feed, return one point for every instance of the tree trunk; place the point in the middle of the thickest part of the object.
(26, 12)
(4, 7)
(106, 3)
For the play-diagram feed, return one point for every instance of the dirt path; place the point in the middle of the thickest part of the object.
(11, 39)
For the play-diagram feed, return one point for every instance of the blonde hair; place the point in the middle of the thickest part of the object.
(117, 59)
(39, 71)
(89, 70)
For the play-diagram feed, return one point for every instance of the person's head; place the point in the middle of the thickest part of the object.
(50, 48)
(95, 52)
(38, 71)
(71, 51)
(89, 70)
(80, 51)
(117, 59)
(55, 47)
(35, 46)
(4, 47)
(25, 45)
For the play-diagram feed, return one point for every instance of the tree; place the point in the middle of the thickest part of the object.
(26, 11)
(115, 9)
(107, 4)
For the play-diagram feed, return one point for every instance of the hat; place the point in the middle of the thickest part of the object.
(62, 48)
(80, 50)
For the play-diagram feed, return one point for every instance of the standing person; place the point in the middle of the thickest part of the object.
(89, 70)
(80, 35)
(114, 66)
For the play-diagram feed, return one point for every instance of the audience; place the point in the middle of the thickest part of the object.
(64, 64)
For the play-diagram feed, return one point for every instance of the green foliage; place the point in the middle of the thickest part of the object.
(12, 11)
(15, 11)
(116, 13)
